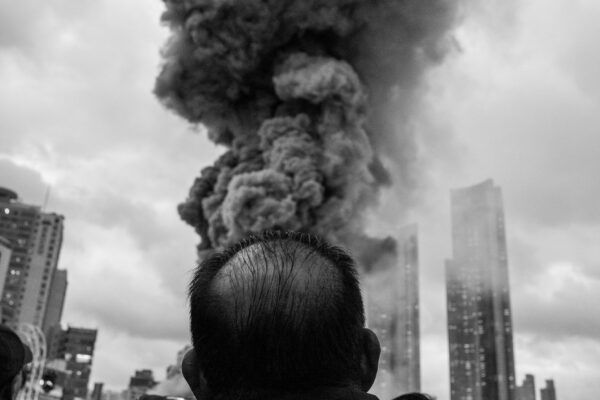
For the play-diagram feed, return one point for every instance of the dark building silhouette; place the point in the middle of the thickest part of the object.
(76, 347)
(5, 255)
(97, 392)
(392, 304)
(35, 240)
(548, 393)
(527, 390)
(56, 301)
(140, 383)
(55, 343)
(478, 299)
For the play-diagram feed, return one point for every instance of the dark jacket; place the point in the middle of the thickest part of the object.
(317, 394)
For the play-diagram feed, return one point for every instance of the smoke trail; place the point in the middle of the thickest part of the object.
(302, 94)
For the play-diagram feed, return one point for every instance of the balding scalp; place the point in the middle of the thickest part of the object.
(281, 279)
(280, 310)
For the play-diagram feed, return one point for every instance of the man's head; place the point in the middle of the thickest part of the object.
(14, 355)
(281, 312)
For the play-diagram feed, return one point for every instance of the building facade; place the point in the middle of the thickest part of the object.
(42, 260)
(97, 391)
(76, 347)
(55, 343)
(56, 301)
(478, 297)
(140, 383)
(548, 392)
(35, 239)
(527, 390)
(5, 253)
(392, 307)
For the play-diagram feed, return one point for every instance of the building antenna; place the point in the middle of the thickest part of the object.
(46, 197)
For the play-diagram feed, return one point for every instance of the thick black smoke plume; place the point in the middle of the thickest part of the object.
(302, 95)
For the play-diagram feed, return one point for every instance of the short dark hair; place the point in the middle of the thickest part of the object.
(290, 320)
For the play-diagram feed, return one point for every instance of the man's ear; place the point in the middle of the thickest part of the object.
(369, 360)
(193, 374)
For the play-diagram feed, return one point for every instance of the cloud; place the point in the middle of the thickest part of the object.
(114, 284)
(28, 183)
(22, 27)
(117, 356)
(176, 386)
(538, 125)
(558, 304)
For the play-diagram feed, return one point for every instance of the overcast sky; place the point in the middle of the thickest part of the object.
(518, 101)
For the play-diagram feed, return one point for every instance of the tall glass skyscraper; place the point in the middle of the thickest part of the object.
(406, 350)
(392, 305)
(478, 298)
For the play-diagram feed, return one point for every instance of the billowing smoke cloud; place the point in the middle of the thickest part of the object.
(307, 96)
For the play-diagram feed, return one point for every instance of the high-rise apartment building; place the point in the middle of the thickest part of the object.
(392, 306)
(478, 299)
(42, 260)
(527, 390)
(35, 238)
(548, 393)
(18, 224)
